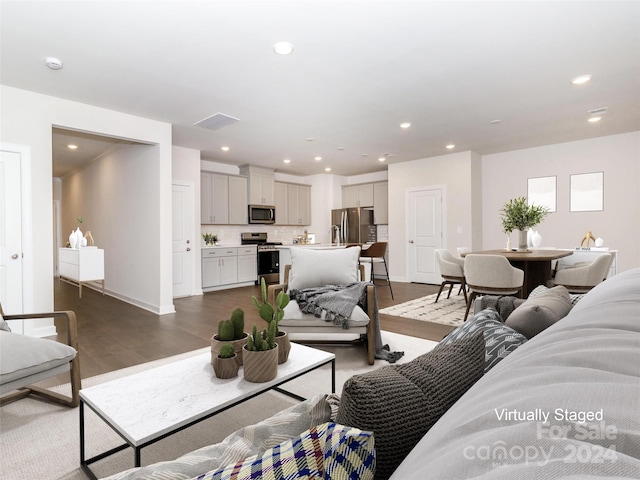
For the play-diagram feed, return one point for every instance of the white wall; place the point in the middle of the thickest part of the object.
(27, 118)
(504, 176)
(454, 172)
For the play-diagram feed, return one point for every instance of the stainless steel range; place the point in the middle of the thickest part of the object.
(268, 255)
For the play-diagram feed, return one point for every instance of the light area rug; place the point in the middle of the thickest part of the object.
(41, 440)
(446, 312)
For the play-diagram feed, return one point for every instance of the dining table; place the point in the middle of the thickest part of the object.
(536, 264)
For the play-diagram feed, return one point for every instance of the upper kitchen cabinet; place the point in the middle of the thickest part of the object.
(293, 204)
(261, 185)
(357, 195)
(222, 199)
(381, 203)
(281, 203)
(299, 204)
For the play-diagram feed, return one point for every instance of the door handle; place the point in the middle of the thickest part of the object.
(15, 256)
(188, 249)
(410, 241)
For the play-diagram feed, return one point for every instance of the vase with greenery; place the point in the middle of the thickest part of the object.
(225, 364)
(261, 355)
(272, 314)
(230, 331)
(210, 239)
(518, 215)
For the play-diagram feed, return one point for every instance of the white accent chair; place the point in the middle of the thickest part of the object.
(582, 278)
(312, 267)
(452, 272)
(25, 360)
(490, 275)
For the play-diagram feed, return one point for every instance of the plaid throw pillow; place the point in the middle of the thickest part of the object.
(328, 451)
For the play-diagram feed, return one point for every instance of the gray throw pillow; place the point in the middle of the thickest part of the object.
(400, 403)
(500, 339)
(540, 311)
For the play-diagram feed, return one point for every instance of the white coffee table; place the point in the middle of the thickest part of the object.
(148, 406)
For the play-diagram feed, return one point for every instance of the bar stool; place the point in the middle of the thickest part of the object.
(376, 254)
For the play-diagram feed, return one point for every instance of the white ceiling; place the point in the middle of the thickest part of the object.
(359, 68)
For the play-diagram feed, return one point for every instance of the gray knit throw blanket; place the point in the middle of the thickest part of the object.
(338, 301)
(503, 304)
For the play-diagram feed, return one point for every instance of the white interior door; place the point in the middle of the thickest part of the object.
(11, 234)
(424, 233)
(183, 242)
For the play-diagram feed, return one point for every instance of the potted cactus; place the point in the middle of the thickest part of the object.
(261, 355)
(225, 364)
(230, 331)
(272, 314)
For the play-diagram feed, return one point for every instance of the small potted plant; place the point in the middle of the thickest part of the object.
(273, 314)
(517, 215)
(230, 331)
(225, 364)
(261, 355)
(210, 239)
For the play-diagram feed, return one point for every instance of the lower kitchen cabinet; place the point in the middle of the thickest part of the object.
(228, 267)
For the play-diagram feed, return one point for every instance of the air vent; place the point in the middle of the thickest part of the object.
(217, 121)
(598, 111)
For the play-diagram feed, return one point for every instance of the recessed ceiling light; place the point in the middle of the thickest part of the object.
(405, 124)
(71, 146)
(382, 159)
(328, 169)
(340, 148)
(53, 63)
(365, 155)
(286, 160)
(224, 148)
(451, 146)
(310, 139)
(283, 48)
(582, 79)
(594, 119)
(317, 159)
(495, 122)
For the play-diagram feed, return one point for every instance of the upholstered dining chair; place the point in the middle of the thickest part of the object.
(25, 360)
(581, 279)
(451, 271)
(376, 253)
(317, 268)
(490, 274)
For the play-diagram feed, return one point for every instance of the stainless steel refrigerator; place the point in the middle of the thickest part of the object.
(353, 225)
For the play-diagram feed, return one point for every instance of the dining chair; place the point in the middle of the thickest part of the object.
(490, 274)
(376, 253)
(451, 271)
(583, 278)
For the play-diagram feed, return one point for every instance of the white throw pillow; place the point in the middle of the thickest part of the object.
(312, 267)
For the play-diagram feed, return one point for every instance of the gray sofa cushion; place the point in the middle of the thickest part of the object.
(399, 403)
(540, 311)
(22, 356)
(500, 340)
(588, 362)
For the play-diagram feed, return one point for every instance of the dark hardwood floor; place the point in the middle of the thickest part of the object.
(113, 334)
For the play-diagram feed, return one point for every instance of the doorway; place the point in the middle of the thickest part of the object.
(425, 229)
(183, 251)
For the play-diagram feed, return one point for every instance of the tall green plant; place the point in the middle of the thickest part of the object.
(271, 313)
(232, 329)
(517, 215)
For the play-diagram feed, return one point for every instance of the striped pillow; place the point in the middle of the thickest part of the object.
(327, 451)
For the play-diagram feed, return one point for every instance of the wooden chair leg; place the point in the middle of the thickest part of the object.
(472, 297)
(440, 291)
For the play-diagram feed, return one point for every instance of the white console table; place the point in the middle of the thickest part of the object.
(80, 265)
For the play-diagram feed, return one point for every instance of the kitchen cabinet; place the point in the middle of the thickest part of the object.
(261, 185)
(281, 204)
(381, 203)
(299, 204)
(229, 267)
(81, 265)
(357, 195)
(222, 199)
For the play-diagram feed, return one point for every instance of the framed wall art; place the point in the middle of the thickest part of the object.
(587, 192)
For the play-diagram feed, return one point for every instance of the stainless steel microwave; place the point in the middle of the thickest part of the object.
(262, 214)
